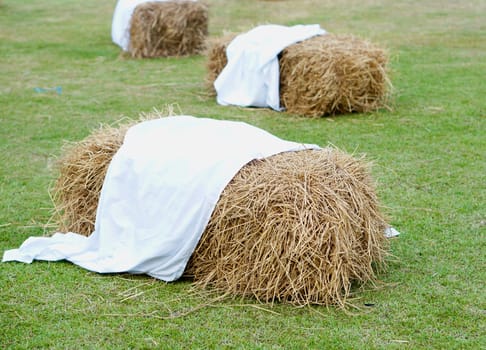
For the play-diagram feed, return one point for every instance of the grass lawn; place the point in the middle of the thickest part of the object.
(429, 153)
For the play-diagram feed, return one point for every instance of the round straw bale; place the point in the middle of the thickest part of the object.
(297, 227)
(324, 75)
(331, 74)
(168, 28)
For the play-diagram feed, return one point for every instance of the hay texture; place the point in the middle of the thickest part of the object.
(216, 59)
(82, 168)
(297, 227)
(324, 75)
(168, 28)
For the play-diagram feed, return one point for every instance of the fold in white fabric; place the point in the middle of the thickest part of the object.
(251, 77)
(158, 195)
(120, 26)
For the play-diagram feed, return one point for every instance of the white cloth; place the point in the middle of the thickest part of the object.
(251, 77)
(158, 195)
(391, 232)
(120, 26)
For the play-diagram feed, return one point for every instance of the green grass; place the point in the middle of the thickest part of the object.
(430, 165)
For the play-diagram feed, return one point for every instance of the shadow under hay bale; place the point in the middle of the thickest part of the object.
(324, 75)
(168, 28)
(297, 227)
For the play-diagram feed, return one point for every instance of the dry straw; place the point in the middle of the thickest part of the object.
(168, 28)
(324, 75)
(216, 58)
(297, 227)
(82, 168)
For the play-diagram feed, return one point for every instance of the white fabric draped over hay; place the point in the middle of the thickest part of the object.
(120, 26)
(159, 192)
(251, 77)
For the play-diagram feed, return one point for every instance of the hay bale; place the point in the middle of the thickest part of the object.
(82, 168)
(168, 28)
(216, 59)
(324, 75)
(297, 227)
